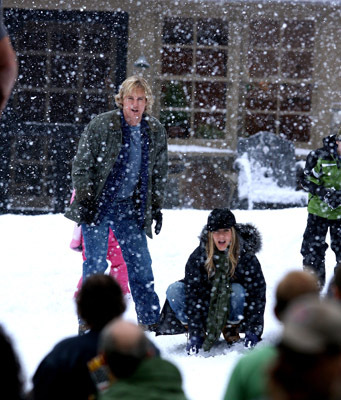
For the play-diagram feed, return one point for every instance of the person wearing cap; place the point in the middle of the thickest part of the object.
(322, 179)
(223, 290)
(308, 364)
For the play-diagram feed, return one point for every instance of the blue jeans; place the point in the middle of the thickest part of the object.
(133, 242)
(177, 299)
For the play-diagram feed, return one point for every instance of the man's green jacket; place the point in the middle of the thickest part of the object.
(98, 149)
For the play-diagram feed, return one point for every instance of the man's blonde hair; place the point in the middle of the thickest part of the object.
(132, 83)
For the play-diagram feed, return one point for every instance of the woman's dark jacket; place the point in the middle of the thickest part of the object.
(248, 273)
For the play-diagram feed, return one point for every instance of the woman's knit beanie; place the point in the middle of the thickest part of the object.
(220, 218)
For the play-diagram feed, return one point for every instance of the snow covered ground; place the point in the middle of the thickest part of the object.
(39, 274)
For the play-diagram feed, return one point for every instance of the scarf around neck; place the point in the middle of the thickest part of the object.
(219, 302)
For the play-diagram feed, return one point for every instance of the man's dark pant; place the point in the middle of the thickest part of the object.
(314, 244)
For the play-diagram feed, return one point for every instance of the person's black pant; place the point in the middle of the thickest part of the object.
(314, 244)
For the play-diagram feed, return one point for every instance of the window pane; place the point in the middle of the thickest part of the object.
(263, 63)
(295, 127)
(260, 123)
(31, 106)
(298, 34)
(62, 107)
(29, 148)
(64, 71)
(91, 106)
(295, 97)
(264, 33)
(176, 123)
(97, 40)
(32, 36)
(209, 126)
(96, 72)
(297, 65)
(212, 32)
(176, 94)
(211, 62)
(210, 94)
(65, 38)
(28, 179)
(177, 61)
(32, 70)
(178, 31)
(261, 96)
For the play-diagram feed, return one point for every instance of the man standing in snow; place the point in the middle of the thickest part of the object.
(119, 176)
(322, 179)
(8, 65)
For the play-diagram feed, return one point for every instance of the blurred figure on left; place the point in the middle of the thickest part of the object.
(63, 373)
(11, 380)
(8, 65)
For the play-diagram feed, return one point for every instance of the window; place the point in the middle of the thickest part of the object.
(278, 95)
(70, 65)
(66, 71)
(194, 79)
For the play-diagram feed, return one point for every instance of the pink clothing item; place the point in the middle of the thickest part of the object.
(118, 267)
(77, 239)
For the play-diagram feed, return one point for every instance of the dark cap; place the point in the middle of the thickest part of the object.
(313, 326)
(220, 218)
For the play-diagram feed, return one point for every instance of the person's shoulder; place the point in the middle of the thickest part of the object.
(198, 253)
(108, 118)
(154, 123)
(258, 357)
(250, 238)
(73, 342)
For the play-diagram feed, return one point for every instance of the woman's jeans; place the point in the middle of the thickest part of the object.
(133, 242)
(177, 300)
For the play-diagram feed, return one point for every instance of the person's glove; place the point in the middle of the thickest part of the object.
(157, 217)
(251, 339)
(194, 344)
(87, 211)
(332, 198)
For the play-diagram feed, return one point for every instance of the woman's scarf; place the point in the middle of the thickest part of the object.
(219, 304)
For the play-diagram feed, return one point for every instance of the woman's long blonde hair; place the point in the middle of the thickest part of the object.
(233, 253)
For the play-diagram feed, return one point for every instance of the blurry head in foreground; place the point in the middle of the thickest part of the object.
(308, 365)
(99, 300)
(124, 346)
(293, 285)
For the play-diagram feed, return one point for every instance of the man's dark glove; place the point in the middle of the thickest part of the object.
(333, 198)
(157, 217)
(87, 211)
(194, 344)
(251, 339)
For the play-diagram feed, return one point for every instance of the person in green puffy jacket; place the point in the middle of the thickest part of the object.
(322, 179)
(119, 175)
(136, 371)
